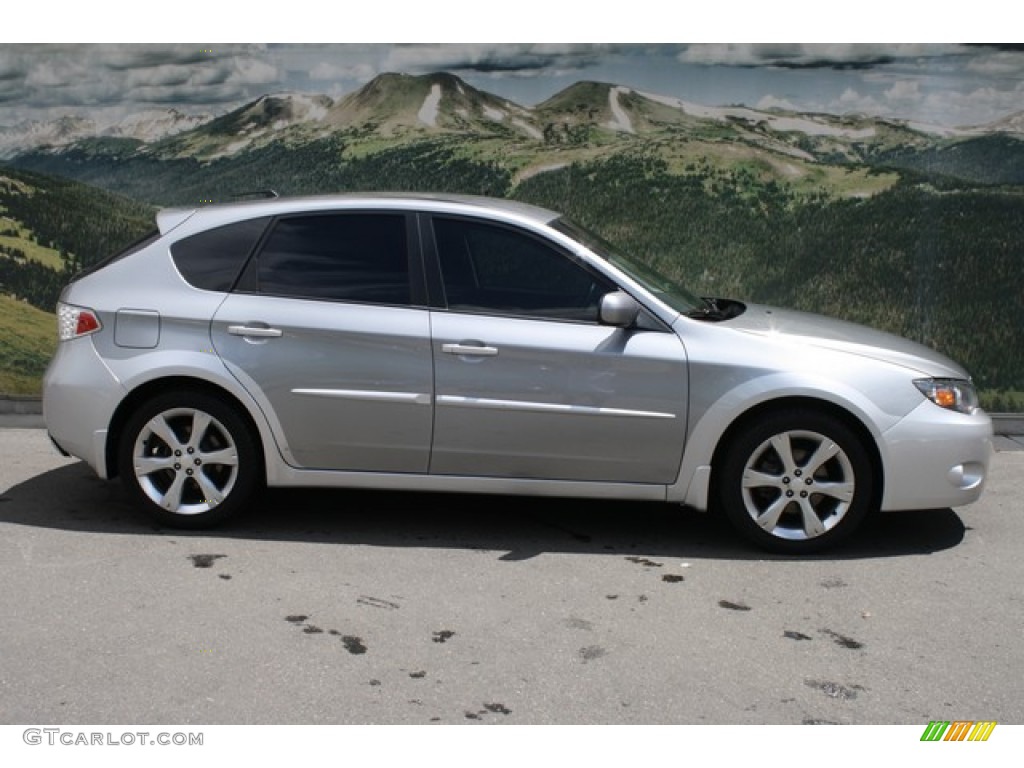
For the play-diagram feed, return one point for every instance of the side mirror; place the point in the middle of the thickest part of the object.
(618, 309)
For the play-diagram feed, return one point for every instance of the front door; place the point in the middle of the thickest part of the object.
(528, 383)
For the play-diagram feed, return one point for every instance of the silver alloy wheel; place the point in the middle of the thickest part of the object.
(185, 461)
(798, 485)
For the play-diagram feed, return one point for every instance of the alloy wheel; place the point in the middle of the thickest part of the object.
(185, 460)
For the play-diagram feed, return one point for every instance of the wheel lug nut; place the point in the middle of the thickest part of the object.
(197, 462)
(785, 481)
(177, 453)
(809, 481)
(798, 473)
(789, 494)
(191, 450)
(803, 494)
(188, 472)
(177, 466)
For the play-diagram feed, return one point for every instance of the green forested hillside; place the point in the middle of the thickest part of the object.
(49, 228)
(333, 164)
(942, 267)
(82, 223)
(997, 159)
(932, 257)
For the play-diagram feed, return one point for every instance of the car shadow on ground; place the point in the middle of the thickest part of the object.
(72, 498)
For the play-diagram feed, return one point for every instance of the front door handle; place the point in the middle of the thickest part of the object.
(255, 331)
(469, 349)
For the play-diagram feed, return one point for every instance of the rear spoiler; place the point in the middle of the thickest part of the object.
(169, 218)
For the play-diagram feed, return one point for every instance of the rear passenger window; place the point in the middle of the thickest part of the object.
(360, 257)
(211, 260)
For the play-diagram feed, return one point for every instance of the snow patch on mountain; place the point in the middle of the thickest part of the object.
(431, 106)
(1010, 124)
(537, 170)
(942, 130)
(494, 114)
(814, 128)
(57, 133)
(620, 120)
(147, 126)
(311, 107)
(531, 131)
(779, 123)
(155, 124)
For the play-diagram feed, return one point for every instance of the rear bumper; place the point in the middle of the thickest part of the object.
(936, 459)
(79, 397)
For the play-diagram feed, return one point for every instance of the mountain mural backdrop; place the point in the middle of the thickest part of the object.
(911, 228)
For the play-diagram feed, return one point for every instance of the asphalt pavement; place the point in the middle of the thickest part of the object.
(358, 607)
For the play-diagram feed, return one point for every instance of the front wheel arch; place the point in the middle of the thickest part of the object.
(758, 414)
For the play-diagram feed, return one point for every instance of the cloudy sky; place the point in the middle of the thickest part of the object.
(950, 85)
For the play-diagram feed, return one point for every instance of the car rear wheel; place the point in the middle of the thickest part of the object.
(796, 482)
(189, 459)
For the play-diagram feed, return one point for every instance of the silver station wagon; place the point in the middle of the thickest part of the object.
(447, 343)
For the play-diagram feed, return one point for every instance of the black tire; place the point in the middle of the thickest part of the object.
(804, 502)
(182, 482)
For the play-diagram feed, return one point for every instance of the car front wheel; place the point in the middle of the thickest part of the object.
(796, 482)
(189, 459)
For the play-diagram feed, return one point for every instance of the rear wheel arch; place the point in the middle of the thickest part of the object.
(151, 389)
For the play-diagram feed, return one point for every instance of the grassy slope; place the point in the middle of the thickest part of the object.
(28, 338)
(25, 243)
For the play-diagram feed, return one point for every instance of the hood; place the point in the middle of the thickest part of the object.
(828, 333)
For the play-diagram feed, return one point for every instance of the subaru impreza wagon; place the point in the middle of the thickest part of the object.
(458, 344)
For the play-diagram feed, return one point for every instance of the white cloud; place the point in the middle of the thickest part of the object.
(253, 71)
(331, 71)
(493, 58)
(1001, 64)
(904, 93)
(959, 84)
(769, 101)
(797, 55)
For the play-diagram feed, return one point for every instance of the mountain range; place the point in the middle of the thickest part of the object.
(913, 229)
(396, 107)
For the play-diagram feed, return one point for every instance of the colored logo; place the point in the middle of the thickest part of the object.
(958, 730)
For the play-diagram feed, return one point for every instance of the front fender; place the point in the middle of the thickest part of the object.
(692, 486)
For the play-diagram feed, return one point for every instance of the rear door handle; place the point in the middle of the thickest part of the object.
(469, 349)
(255, 331)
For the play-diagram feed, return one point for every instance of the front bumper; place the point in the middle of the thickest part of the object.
(936, 458)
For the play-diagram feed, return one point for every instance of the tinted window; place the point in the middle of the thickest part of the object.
(346, 257)
(495, 269)
(212, 259)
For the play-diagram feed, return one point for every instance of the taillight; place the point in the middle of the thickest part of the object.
(73, 322)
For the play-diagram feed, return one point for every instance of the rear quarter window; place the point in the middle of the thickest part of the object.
(212, 260)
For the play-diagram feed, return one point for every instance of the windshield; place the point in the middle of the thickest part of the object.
(666, 289)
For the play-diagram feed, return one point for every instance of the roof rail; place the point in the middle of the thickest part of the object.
(264, 193)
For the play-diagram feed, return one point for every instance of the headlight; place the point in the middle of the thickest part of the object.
(951, 394)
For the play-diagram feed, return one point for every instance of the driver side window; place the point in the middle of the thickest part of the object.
(492, 269)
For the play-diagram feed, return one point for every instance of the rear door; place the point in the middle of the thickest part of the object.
(528, 383)
(327, 329)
